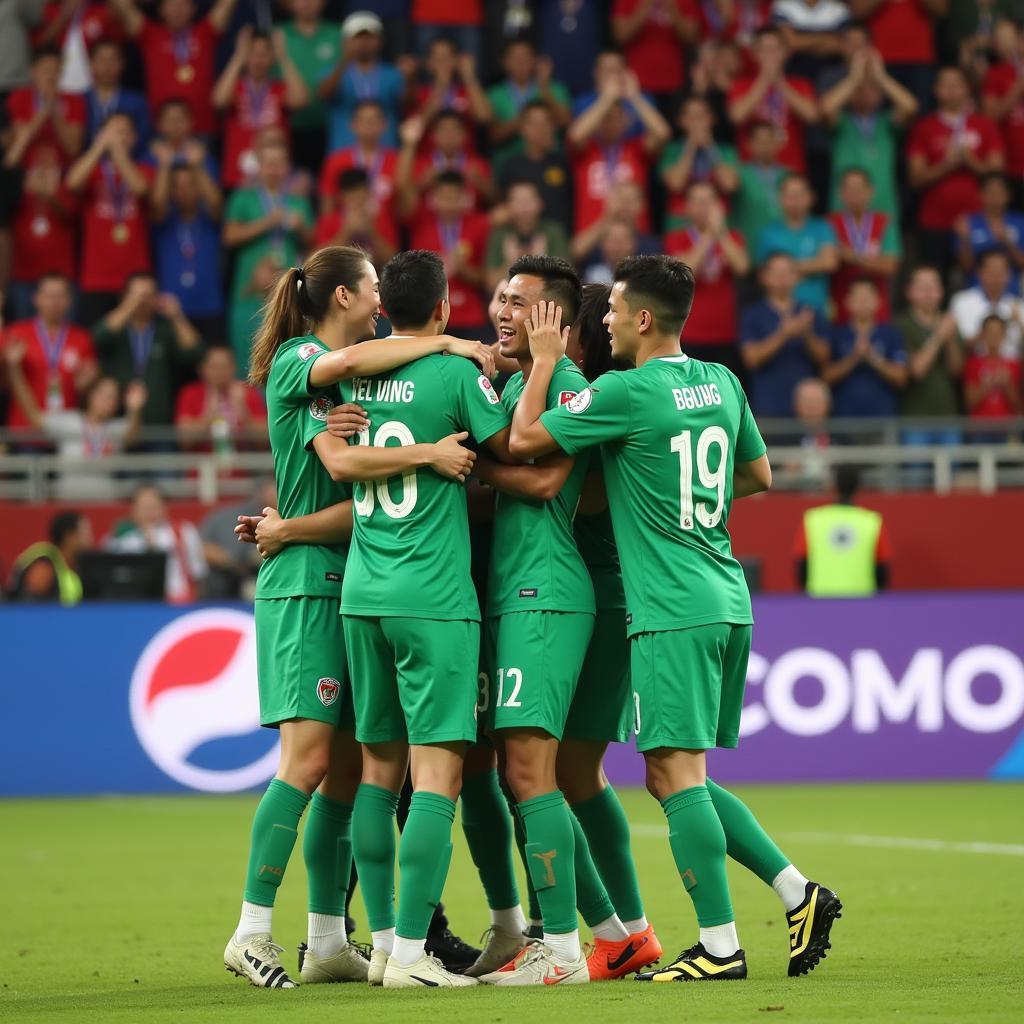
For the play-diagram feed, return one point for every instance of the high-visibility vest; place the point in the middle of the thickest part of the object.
(841, 545)
(69, 586)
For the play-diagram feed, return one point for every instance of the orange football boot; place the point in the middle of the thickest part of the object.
(611, 960)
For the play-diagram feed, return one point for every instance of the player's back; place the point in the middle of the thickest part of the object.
(410, 544)
(670, 489)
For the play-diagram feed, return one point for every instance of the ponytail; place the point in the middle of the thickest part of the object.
(302, 297)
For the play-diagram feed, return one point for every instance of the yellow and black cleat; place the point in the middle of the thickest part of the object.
(697, 964)
(809, 928)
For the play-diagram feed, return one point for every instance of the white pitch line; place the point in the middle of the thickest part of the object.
(647, 831)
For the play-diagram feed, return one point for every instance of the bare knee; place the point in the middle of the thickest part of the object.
(437, 768)
(530, 767)
(305, 769)
(344, 771)
(669, 771)
(580, 770)
(385, 765)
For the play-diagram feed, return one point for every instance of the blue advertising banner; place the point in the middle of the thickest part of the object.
(150, 699)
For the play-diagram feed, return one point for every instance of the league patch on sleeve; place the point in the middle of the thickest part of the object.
(320, 407)
(580, 402)
(307, 351)
(488, 389)
(565, 397)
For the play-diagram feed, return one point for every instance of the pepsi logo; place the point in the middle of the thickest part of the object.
(194, 689)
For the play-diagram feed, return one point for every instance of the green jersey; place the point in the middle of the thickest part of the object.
(296, 413)
(410, 542)
(596, 543)
(671, 433)
(314, 56)
(535, 565)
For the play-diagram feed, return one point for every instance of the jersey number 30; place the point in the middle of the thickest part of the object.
(392, 430)
(709, 478)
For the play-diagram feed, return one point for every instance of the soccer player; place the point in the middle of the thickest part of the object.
(411, 621)
(300, 646)
(678, 445)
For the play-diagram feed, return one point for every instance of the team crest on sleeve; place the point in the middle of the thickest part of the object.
(565, 397)
(327, 689)
(488, 389)
(307, 351)
(320, 407)
(580, 402)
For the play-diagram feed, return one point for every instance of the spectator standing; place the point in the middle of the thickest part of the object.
(57, 360)
(254, 102)
(718, 65)
(45, 231)
(84, 438)
(605, 155)
(219, 413)
(147, 338)
(178, 53)
(734, 21)
(625, 205)
(869, 243)
(718, 257)
(618, 241)
(16, 21)
(313, 46)
(367, 153)
(451, 84)
(460, 21)
(356, 218)
(150, 528)
(812, 404)
(108, 95)
(991, 378)
(570, 33)
(994, 226)
(174, 129)
(903, 32)
(756, 202)
(95, 21)
(542, 161)
(46, 571)
(654, 36)
(771, 95)
(947, 154)
(186, 206)
(115, 243)
(264, 222)
(812, 30)
(696, 157)
(935, 360)
(991, 295)
(42, 116)
(782, 340)
(360, 74)
(525, 232)
(527, 78)
(1002, 93)
(865, 133)
(809, 240)
(451, 228)
(868, 366)
(610, 70)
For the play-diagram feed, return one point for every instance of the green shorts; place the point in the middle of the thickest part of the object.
(688, 686)
(602, 707)
(533, 664)
(300, 661)
(413, 679)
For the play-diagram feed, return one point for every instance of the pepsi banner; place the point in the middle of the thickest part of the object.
(151, 699)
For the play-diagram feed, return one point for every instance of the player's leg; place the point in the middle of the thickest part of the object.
(677, 679)
(811, 908)
(436, 671)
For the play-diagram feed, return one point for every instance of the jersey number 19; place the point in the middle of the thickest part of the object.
(712, 479)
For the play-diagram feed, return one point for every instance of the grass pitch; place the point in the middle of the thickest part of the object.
(118, 910)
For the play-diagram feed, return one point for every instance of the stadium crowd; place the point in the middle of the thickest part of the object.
(843, 178)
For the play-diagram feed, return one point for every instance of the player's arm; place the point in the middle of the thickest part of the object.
(541, 481)
(751, 477)
(358, 462)
(130, 16)
(270, 532)
(220, 14)
(373, 357)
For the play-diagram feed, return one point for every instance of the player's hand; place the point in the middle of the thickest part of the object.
(347, 420)
(245, 531)
(547, 336)
(451, 459)
(269, 537)
(479, 353)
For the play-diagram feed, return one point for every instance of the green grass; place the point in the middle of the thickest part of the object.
(117, 910)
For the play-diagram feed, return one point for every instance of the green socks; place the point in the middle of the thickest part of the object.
(591, 896)
(373, 847)
(274, 830)
(531, 892)
(488, 827)
(424, 856)
(327, 851)
(747, 841)
(606, 827)
(698, 847)
(550, 853)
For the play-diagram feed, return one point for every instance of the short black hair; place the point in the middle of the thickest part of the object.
(988, 254)
(989, 176)
(411, 285)
(174, 101)
(109, 43)
(450, 177)
(536, 104)
(49, 50)
(847, 479)
(592, 333)
(519, 183)
(662, 284)
(561, 282)
(862, 171)
(63, 524)
(447, 115)
(993, 318)
(376, 104)
(352, 178)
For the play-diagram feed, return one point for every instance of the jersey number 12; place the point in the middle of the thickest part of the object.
(713, 479)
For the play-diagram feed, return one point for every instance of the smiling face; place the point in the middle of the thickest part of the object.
(104, 398)
(622, 324)
(523, 292)
(361, 307)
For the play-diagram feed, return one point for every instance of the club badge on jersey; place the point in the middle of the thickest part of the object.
(581, 402)
(565, 397)
(320, 407)
(327, 689)
(308, 350)
(488, 389)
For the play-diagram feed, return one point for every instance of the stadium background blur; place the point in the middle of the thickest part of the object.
(134, 256)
